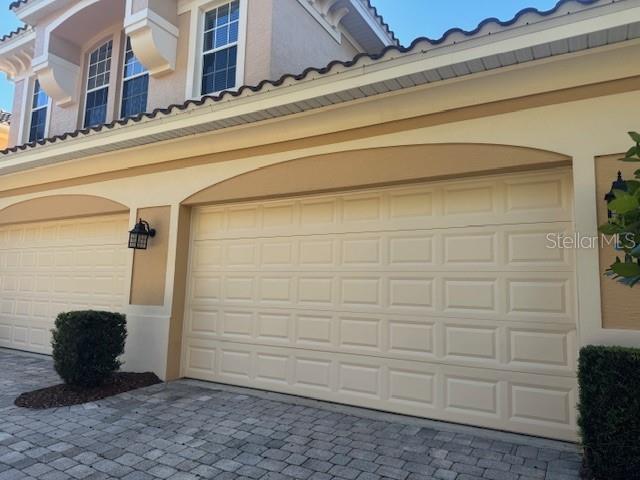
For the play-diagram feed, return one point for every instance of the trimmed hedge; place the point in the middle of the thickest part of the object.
(609, 411)
(86, 346)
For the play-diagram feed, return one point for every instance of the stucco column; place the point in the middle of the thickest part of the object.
(587, 267)
(149, 324)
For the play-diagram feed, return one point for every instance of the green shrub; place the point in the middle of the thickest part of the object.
(86, 346)
(609, 411)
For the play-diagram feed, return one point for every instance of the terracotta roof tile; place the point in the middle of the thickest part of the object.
(16, 4)
(5, 117)
(16, 32)
(448, 36)
(380, 19)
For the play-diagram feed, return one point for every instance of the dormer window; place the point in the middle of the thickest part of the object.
(98, 76)
(135, 84)
(220, 48)
(39, 108)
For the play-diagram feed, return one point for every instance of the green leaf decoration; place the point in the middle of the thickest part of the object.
(626, 269)
(610, 229)
(633, 186)
(624, 225)
(623, 203)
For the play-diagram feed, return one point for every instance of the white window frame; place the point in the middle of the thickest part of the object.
(32, 89)
(123, 79)
(87, 90)
(24, 122)
(199, 9)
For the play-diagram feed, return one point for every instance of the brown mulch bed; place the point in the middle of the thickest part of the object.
(65, 395)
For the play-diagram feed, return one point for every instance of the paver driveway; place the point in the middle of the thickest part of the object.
(189, 430)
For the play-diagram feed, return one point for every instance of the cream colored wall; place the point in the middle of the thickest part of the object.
(609, 71)
(58, 207)
(169, 89)
(165, 8)
(150, 265)
(375, 167)
(63, 119)
(299, 41)
(581, 124)
(182, 236)
(17, 112)
(259, 38)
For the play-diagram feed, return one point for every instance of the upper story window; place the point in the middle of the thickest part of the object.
(98, 76)
(135, 84)
(220, 48)
(39, 107)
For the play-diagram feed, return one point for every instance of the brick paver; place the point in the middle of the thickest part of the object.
(189, 430)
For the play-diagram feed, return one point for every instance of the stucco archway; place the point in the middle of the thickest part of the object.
(58, 207)
(376, 166)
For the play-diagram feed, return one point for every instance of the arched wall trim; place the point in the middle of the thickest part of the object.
(57, 207)
(377, 166)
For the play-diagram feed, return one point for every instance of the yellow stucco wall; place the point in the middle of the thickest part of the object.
(4, 136)
(577, 109)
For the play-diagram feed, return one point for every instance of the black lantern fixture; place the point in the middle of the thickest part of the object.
(139, 236)
(620, 185)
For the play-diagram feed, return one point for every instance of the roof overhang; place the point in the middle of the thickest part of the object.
(365, 25)
(16, 52)
(563, 35)
(32, 11)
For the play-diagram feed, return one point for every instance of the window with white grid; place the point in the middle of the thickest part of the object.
(39, 107)
(98, 77)
(220, 48)
(135, 84)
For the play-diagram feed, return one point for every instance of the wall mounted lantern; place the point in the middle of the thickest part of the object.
(139, 236)
(619, 184)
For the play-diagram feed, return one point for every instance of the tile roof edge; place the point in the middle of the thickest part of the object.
(18, 31)
(296, 77)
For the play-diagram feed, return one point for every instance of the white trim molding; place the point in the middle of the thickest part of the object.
(321, 11)
(198, 9)
(375, 26)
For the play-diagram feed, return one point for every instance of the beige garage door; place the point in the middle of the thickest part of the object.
(53, 267)
(439, 300)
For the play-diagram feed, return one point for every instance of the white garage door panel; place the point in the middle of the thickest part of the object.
(536, 404)
(440, 300)
(53, 267)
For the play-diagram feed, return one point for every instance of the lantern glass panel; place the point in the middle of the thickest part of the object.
(142, 241)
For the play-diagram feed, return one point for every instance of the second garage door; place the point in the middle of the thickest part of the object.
(441, 300)
(52, 267)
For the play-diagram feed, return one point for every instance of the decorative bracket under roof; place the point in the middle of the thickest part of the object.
(154, 38)
(326, 15)
(59, 51)
(58, 77)
(357, 18)
(16, 52)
